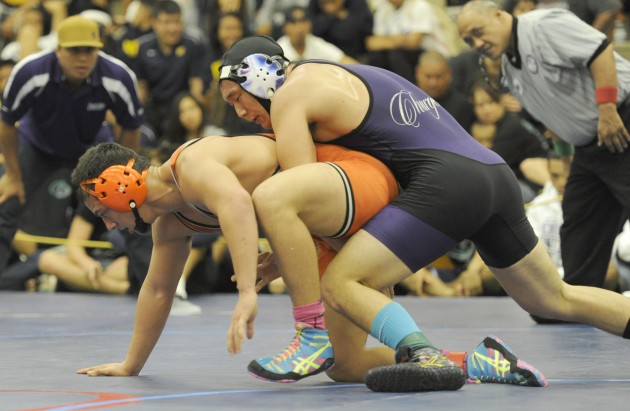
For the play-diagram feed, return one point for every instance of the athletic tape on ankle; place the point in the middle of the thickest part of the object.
(626, 333)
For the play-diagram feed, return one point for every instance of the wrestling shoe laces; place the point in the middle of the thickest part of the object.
(309, 353)
(493, 361)
(424, 369)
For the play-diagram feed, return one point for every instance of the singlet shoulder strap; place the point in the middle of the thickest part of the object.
(175, 156)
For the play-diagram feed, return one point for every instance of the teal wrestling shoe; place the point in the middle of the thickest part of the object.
(308, 354)
(494, 362)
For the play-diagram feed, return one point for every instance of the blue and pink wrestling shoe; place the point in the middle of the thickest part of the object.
(309, 353)
(429, 369)
(493, 361)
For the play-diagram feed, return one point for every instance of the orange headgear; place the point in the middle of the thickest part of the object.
(118, 187)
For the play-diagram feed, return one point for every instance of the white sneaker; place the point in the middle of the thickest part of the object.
(182, 307)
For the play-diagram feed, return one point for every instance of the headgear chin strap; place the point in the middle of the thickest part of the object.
(258, 74)
(141, 227)
(119, 187)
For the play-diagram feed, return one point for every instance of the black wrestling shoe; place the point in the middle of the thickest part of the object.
(424, 369)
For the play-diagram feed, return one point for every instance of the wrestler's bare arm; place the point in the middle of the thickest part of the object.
(168, 257)
(319, 102)
(289, 117)
(214, 186)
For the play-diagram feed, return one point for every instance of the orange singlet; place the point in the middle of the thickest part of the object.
(370, 186)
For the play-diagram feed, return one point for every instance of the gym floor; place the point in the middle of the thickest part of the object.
(44, 338)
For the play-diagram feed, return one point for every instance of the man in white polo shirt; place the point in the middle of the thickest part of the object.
(299, 43)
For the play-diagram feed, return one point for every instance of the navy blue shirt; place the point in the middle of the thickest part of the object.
(168, 75)
(62, 122)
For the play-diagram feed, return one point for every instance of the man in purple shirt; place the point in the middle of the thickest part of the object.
(53, 108)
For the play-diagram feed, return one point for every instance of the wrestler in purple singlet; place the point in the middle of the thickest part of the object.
(454, 188)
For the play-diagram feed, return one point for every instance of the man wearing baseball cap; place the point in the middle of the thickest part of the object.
(54, 105)
(76, 31)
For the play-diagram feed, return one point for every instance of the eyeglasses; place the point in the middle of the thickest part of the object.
(81, 50)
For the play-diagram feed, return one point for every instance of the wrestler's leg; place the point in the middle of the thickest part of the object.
(534, 283)
(351, 281)
(363, 266)
(352, 358)
(290, 206)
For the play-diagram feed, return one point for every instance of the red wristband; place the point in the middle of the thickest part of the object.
(606, 94)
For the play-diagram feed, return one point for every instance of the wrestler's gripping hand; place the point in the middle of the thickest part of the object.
(267, 270)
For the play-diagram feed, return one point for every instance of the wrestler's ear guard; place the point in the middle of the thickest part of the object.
(119, 187)
(258, 74)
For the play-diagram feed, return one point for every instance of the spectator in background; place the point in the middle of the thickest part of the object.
(434, 76)
(344, 23)
(14, 19)
(60, 99)
(78, 6)
(469, 66)
(5, 70)
(87, 270)
(187, 119)
(99, 269)
(600, 14)
(169, 61)
(545, 211)
(519, 7)
(299, 43)
(126, 38)
(270, 16)
(228, 28)
(403, 29)
(503, 132)
(72, 267)
(37, 29)
(106, 24)
(211, 9)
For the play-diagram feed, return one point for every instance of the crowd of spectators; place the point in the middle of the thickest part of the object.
(174, 48)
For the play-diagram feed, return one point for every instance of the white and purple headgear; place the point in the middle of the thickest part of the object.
(257, 64)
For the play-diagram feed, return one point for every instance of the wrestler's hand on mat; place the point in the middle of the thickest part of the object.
(115, 369)
(242, 320)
